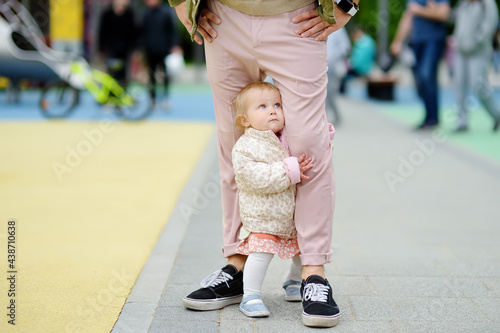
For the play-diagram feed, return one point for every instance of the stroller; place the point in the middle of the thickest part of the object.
(23, 54)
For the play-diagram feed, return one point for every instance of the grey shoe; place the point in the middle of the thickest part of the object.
(461, 128)
(292, 291)
(253, 306)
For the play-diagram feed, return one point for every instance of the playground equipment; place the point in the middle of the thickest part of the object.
(24, 55)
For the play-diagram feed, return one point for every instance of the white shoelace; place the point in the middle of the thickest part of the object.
(216, 278)
(316, 292)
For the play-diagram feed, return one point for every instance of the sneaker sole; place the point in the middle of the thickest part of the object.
(320, 321)
(211, 304)
(295, 298)
(255, 313)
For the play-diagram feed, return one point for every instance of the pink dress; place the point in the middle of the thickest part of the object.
(284, 248)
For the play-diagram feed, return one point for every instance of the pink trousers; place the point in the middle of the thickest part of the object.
(247, 49)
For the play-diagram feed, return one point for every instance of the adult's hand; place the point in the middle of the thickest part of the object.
(417, 9)
(204, 23)
(313, 23)
(432, 10)
(396, 48)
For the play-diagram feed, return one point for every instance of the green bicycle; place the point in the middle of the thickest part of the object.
(59, 98)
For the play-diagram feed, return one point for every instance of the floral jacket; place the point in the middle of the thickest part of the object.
(266, 176)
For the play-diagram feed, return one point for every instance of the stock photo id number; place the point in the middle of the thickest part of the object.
(11, 271)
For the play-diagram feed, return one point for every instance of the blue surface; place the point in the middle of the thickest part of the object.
(193, 103)
(186, 105)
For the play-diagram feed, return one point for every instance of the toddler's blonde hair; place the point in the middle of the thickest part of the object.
(240, 103)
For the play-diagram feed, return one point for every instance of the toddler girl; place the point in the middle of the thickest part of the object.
(266, 176)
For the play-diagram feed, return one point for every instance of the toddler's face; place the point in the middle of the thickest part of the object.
(263, 110)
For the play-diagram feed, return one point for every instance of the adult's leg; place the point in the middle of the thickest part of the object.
(481, 86)
(117, 68)
(151, 63)
(332, 89)
(418, 52)
(301, 76)
(428, 76)
(461, 82)
(496, 60)
(161, 89)
(166, 78)
(230, 66)
(345, 79)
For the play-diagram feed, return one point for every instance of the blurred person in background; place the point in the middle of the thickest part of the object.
(475, 26)
(362, 57)
(496, 49)
(159, 37)
(338, 47)
(424, 22)
(118, 34)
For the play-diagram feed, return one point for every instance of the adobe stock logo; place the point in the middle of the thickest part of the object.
(417, 157)
(201, 198)
(75, 155)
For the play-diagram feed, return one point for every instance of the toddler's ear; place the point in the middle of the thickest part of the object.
(244, 121)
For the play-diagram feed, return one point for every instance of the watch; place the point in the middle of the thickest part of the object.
(347, 6)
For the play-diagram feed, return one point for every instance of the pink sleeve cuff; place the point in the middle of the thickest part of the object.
(292, 169)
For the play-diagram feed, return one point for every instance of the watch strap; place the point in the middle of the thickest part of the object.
(347, 6)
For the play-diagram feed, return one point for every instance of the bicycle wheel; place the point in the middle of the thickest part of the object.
(58, 100)
(139, 107)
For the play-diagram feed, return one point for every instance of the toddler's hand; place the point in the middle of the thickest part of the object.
(304, 165)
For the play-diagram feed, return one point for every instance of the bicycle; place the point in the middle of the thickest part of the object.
(59, 98)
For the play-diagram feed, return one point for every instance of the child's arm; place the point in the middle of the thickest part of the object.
(255, 176)
(263, 177)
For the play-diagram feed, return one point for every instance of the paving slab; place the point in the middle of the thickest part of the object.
(416, 255)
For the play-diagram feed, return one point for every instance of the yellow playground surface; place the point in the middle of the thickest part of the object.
(89, 200)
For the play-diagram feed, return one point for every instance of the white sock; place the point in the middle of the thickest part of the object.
(295, 270)
(255, 271)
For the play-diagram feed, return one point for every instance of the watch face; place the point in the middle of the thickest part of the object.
(345, 5)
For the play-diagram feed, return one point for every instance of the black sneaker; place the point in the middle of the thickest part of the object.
(426, 126)
(219, 289)
(320, 310)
